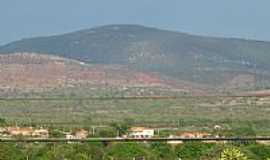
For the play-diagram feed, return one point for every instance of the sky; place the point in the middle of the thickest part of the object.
(248, 19)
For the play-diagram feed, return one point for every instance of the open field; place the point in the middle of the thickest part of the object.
(186, 113)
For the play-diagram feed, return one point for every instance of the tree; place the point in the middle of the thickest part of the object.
(121, 128)
(2, 121)
(193, 150)
(163, 151)
(55, 133)
(83, 151)
(260, 151)
(106, 133)
(232, 154)
(128, 151)
(9, 151)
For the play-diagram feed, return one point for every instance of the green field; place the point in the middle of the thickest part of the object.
(190, 113)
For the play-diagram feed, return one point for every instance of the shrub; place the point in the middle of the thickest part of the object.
(163, 151)
(193, 150)
(2, 121)
(261, 151)
(126, 151)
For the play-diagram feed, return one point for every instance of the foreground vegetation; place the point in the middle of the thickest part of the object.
(130, 151)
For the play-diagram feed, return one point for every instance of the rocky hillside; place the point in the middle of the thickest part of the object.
(38, 72)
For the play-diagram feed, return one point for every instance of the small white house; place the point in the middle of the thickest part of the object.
(141, 132)
(79, 134)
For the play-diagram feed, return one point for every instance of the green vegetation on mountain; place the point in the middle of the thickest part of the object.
(200, 59)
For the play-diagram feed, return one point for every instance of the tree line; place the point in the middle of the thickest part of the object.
(133, 151)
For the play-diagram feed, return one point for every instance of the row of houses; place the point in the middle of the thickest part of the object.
(133, 132)
(39, 133)
(25, 132)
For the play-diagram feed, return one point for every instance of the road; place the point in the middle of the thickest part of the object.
(61, 140)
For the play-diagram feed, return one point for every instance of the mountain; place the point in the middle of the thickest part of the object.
(219, 62)
(29, 72)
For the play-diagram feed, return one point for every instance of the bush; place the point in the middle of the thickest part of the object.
(9, 151)
(55, 133)
(261, 151)
(2, 121)
(126, 151)
(106, 133)
(75, 151)
(163, 151)
(193, 150)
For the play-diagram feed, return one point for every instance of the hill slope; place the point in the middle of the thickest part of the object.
(206, 60)
(28, 72)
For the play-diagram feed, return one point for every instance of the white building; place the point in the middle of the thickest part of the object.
(79, 134)
(141, 132)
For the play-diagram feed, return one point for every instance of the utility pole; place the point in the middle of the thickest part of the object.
(93, 130)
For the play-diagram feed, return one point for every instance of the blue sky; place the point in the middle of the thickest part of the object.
(230, 18)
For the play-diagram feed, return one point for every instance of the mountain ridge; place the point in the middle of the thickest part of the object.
(138, 25)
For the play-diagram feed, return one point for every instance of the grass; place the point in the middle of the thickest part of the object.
(187, 113)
